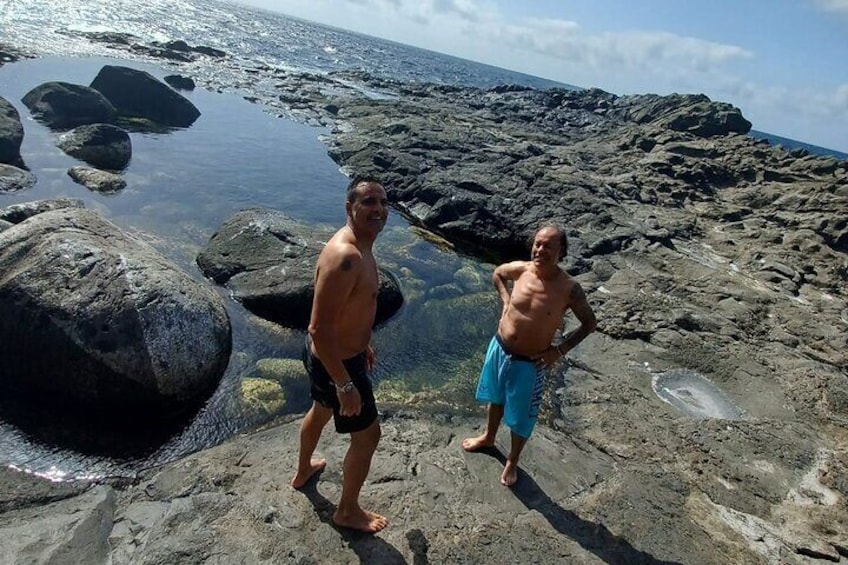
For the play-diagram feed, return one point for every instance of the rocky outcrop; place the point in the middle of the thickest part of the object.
(13, 179)
(101, 145)
(573, 503)
(128, 333)
(138, 94)
(11, 133)
(267, 260)
(97, 180)
(62, 105)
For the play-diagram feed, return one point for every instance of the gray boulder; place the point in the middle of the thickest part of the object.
(267, 260)
(139, 94)
(11, 133)
(97, 180)
(101, 145)
(61, 105)
(127, 332)
(13, 179)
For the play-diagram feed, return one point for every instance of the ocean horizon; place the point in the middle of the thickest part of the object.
(262, 36)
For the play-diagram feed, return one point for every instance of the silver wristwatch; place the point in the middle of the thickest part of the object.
(345, 388)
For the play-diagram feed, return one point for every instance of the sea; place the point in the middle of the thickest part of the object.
(183, 185)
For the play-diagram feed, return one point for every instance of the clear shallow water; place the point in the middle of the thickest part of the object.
(181, 187)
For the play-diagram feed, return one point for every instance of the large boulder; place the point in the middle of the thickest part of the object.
(62, 105)
(11, 133)
(101, 145)
(139, 94)
(91, 317)
(267, 260)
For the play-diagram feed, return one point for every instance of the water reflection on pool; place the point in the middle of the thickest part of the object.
(181, 186)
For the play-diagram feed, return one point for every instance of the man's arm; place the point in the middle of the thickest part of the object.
(505, 273)
(580, 306)
(337, 272)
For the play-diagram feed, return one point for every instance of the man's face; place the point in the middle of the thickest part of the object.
(370, 209)
(546, 247)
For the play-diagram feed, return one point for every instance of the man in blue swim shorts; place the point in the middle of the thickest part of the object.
(521, 351)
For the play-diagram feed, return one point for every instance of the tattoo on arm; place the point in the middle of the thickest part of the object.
(346, 265)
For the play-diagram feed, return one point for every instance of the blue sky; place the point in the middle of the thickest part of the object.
(783, 62)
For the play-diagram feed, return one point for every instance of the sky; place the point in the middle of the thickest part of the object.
(784, 63)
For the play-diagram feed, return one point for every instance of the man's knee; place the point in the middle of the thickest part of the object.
(369, 437)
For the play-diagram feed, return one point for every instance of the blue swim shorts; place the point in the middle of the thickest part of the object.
(513, 382)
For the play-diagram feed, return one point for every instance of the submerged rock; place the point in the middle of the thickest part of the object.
(97, 180)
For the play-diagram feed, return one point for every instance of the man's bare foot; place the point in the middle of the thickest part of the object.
(510, 474)
(361, 520)
(303, 475)
(477, 443)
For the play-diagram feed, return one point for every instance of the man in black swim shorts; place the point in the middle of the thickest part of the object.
(338, 353)
(323, 389)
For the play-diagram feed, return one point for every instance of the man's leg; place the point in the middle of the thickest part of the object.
(510, 472)
(357, 463)
(487, 438)
(310, 432)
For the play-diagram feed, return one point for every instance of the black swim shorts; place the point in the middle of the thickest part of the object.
(323, 391)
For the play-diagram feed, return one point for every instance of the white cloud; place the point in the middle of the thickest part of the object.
(833, 5)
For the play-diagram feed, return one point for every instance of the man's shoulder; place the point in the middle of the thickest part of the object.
(341, 251)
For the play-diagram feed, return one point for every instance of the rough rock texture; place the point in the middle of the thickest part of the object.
(13, 179)
(17, 213)
(100, 145)
(125, 329)
(574, 503)
(11, 133)
(97, 180)
(138, 94)
(268, 260)
(62, 105)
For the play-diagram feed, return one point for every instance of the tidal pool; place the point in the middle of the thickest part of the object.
(181, 186)
(694, 395)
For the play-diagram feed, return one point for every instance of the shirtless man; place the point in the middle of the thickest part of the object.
(520, 353)
(338, 352)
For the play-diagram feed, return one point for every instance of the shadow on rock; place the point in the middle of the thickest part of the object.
(368, 547)
(90, 432)
(592, 537)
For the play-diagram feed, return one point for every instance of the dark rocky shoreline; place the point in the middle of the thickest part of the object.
(702, 251)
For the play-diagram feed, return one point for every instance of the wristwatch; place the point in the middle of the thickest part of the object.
(345, 388)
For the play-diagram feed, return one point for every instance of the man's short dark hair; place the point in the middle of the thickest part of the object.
(563, 239)
(357, 180)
